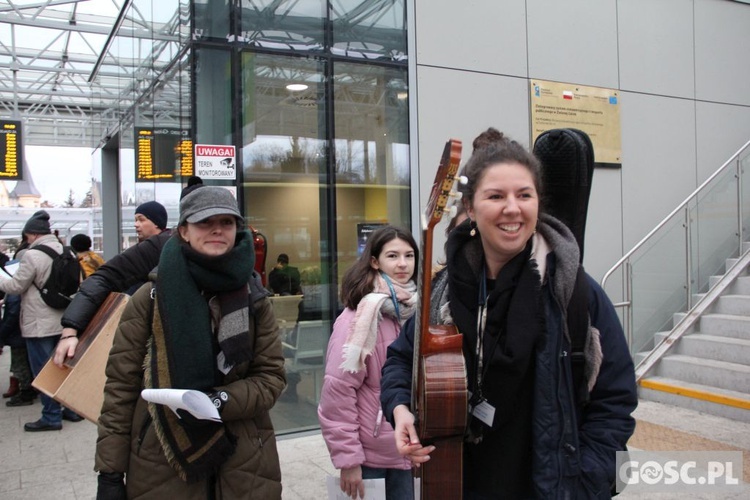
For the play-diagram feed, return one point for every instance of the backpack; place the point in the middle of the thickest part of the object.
(64, 277)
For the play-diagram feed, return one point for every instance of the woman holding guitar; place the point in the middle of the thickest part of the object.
(515, 289)
(380, 294)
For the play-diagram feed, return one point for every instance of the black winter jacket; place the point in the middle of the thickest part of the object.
(573, 447)
(10, 326)
(118, 274)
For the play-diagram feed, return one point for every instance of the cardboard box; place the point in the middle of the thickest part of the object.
(79, 385)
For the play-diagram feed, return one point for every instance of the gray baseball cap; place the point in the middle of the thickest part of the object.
(207, 202)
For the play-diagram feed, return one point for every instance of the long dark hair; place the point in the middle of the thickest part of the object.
(359, 278)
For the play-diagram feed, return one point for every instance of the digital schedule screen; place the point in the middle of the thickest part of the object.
(11, 151)
(163, 154)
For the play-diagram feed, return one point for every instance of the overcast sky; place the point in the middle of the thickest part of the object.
(57, 170)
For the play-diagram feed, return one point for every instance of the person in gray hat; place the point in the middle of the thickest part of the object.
(203, 323)
(40, 324)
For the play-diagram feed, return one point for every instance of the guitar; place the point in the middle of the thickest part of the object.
(439, 395)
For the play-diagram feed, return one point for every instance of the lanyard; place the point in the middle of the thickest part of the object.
(481, 321)
(393, 294)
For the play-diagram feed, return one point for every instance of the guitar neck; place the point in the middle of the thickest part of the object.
(423, 316)
(436, 209)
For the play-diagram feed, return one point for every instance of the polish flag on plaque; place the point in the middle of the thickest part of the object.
(567, 94)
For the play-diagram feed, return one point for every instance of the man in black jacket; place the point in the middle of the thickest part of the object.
(118, 274)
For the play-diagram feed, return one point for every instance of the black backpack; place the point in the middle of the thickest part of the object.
(64, 277)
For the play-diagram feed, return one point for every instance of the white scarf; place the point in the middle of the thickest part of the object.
(363, 331)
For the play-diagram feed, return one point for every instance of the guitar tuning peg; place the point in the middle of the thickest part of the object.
(453, 211)
(463, 179)
(457, 195)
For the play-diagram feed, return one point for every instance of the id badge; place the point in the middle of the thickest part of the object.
(483, 411)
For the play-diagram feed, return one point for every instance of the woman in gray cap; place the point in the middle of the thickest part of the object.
(202, 323)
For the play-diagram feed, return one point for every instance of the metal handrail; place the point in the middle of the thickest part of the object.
(627, 285)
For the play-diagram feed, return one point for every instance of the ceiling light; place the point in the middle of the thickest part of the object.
(296, 87)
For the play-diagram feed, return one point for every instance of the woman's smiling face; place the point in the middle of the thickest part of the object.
(213, 236)
(505, 208)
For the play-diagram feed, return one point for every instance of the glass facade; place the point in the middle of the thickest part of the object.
(313, 96)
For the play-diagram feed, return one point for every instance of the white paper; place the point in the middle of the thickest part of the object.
(11, 267)
(195, 402)
(374, 489)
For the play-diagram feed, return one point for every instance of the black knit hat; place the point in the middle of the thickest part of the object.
(38, 224)
(193, 183)
(155, 212)
(80, 242)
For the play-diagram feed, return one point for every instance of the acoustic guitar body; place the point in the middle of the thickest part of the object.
(443, 403)
(439, 395)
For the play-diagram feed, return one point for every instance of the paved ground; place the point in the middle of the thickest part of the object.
(58, 465)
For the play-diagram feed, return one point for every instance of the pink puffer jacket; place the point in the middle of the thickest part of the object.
(349, 409)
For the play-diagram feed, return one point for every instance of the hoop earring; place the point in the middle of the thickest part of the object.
(473, 226)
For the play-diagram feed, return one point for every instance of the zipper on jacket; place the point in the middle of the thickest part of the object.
(378, 423)
(142, 434)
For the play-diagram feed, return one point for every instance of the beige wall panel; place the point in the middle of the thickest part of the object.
(659, 165)
(476, 35)
(603, 244)
(574, 41)
(722, 51)
(656, 47)
(721, 131)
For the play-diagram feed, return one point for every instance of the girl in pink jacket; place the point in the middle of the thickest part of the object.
(380, 294)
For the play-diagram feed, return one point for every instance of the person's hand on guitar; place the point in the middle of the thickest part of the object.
(407, 439)
(66, 347)
(351, 482)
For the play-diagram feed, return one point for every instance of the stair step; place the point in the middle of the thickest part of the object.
(721, 374)
(707, 399)
(733, 304)
(741, 286)
(716, 347)
(727, 325)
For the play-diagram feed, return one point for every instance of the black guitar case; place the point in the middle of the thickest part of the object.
(567, 158)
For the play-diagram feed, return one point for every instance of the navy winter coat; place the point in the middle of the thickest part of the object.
(573, 446)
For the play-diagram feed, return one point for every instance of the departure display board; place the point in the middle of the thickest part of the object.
(163, 154)
(11, 151)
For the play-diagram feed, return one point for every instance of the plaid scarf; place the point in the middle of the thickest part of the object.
(181, 353)
(363, 331)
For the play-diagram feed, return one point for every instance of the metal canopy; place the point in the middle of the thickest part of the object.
(74, 70)
(49, 51)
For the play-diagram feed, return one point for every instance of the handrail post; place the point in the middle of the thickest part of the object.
(628, 316)
(688, 256)
(740, 215)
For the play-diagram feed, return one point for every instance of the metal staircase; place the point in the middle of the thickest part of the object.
(703, 363)
(683, 295)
